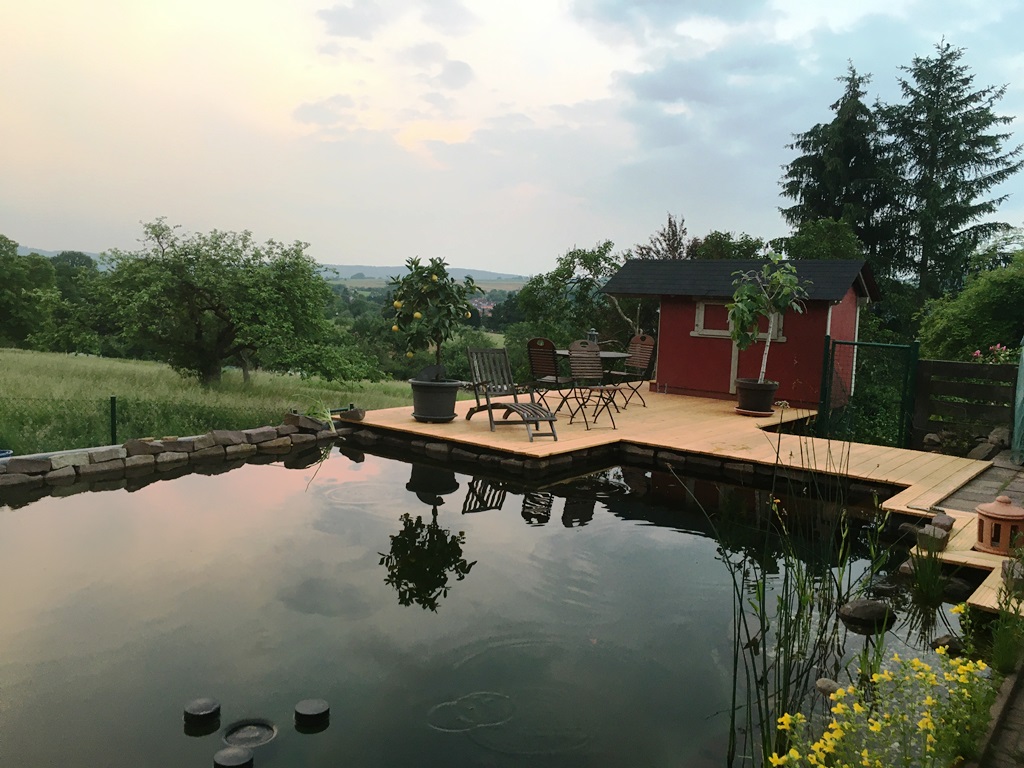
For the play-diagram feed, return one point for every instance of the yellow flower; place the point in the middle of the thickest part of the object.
(776, 760)
(982, 666)
(859, 708)
(840, 709)
(929, 701)
(793, 754)
(957, 609)
(785, 722)
(874, 725)
(896, 657)
(941, 650)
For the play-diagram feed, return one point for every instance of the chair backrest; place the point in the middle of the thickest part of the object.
(585, 361)
(543, 359)
(491, 371)
(641, 353)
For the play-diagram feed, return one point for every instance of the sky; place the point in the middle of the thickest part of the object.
(494, 134)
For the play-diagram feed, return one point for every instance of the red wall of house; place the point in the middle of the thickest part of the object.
(701, 365)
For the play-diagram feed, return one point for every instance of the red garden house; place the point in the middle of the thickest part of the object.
(696, 355)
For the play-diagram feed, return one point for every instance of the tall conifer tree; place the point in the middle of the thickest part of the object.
(950, 157)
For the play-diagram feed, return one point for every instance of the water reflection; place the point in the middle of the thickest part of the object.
(424, 555)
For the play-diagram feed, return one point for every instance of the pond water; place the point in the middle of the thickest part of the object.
(588, 630)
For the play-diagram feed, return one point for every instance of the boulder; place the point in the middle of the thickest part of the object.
(305, 423)
(955, 589)
(69, 459)
(826, 686)
(932, 539)
(984, 451)
(943, 521)
(28, 465)
(954, 645)
(1000, 437)
(867, 617)
(260, 435)
(228, 436)
(143, 447)
(107, 453)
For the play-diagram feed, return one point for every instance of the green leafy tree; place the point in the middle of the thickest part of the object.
(945, 139)
(201, 301)
(25, 292)
(989, 311)
(429, 306)
(765, 293)
(725, 245)
(669, 242)
(843, 174)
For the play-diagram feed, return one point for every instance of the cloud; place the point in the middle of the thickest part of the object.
(326, 112)
(450, 17)
(361, 19)
(424, 54)
(454, 75)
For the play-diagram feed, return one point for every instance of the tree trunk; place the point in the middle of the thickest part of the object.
(767, 344)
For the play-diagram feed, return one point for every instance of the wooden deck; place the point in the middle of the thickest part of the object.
(704, 426)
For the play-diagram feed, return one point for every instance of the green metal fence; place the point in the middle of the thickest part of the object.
(867, 392)
(37, 425)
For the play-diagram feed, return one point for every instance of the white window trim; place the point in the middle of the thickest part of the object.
(718, 333)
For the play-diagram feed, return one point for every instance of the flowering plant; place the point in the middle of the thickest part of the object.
(429, 305)
(997, 355)
(911, 714)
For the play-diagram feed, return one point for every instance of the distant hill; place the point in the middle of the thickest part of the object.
(346, 271)
(23, 251)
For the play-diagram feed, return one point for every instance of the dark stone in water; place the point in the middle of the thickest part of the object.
(867, 617)
(953, 644)
(233, 757)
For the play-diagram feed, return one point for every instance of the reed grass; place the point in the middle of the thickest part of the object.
(51, 402)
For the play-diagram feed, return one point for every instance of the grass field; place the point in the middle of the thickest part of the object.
(52, 402)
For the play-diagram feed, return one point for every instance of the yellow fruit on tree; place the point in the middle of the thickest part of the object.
(434, 278)
(394, 327)
(398, 305)
(469, 314)
(417, 315)
(408, 354)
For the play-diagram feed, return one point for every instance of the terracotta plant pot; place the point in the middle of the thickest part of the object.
(755, 398)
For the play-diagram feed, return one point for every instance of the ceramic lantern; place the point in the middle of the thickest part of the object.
(999, 525)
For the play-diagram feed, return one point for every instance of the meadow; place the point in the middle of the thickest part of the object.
(51, 402)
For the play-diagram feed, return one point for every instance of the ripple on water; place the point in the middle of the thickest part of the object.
(481, 709)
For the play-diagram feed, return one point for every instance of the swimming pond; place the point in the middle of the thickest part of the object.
(584, 625)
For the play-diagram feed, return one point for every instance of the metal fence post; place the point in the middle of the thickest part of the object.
(113, 420)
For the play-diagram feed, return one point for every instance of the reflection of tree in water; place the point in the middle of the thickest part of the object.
(422, 557)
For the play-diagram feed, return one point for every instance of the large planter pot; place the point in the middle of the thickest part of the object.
(434, 401)
(755, 398)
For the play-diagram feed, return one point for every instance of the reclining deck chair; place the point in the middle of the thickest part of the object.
(492, 377)
(639, 367)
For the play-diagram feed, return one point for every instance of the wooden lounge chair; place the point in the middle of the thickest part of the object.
(589, 387)
(638, 368)
(492, 378)
(544, 372)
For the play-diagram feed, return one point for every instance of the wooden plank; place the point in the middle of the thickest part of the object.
(971, 390)
(968, 412)
(960, 370)
(986, 596)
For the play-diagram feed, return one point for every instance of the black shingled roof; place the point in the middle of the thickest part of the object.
(830, 280)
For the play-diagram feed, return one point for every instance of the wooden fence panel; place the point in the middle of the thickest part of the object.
(962, 397)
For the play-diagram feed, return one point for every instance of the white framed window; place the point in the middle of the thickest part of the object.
(712, 321)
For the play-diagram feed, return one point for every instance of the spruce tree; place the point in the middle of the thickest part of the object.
(842, 174)
(943, 138)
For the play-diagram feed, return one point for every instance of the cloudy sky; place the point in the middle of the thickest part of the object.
(495, 134)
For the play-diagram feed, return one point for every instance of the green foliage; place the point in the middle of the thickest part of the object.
(765, 293)
(430, 306)
(26, 281)
(822, 240)
(989, 311)
(725, 245)
(944, 141)
(842, 175)
(200, 301)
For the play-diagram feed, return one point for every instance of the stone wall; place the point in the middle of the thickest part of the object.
(297, 442)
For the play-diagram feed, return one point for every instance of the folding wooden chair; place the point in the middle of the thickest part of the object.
(588, 383)
(638, 368)
(544, 372)
(492, 377)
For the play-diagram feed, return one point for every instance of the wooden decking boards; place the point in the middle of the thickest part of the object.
(705, 426)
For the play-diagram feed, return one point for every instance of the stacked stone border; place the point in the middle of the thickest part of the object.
(298, 442)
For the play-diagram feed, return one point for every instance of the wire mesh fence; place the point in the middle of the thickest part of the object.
(40, 425)
(867, 393)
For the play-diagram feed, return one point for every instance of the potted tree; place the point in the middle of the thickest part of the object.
(768, 293)
(430, 305)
